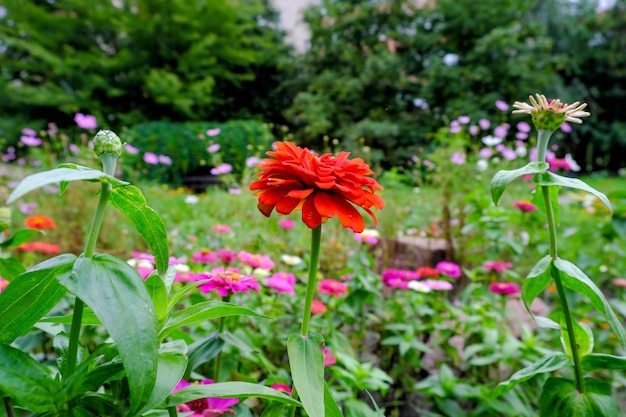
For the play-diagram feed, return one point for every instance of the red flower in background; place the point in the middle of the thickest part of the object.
(322, 186)
(42, 247)
(39, 222)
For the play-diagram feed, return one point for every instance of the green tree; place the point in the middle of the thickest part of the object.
(137, 60)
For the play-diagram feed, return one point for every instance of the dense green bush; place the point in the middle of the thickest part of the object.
(186, 146)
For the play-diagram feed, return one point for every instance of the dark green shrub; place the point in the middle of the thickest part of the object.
(186, 144)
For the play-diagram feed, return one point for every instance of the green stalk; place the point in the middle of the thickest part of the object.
(580, 385)
(311, 287)
(8, 407)
(108, 162)
(220, 330)
(171, 411)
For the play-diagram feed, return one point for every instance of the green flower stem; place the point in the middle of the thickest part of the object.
(8, 407)
(580, 385)
(109, 164)
(543, 138)
(220, 330)
(171, 411)
(311, 287)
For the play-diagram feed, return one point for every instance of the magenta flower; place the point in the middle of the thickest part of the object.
(398, 278)
(484, 124)
(620, 282)
(501, 105)
(213, 132)
(204, 256)
(368, 236)
(279, 386)
(226, 282)
(497, 266)
(332, 287)
(523, 127)
(449, 268)
(521, 135)
(282, 282)
(437, 285)
(205, 407)
(464, 119)
(3, 283)
(501, 131)
(150, 158)
(504, 288)
(213, 148)
(525, 205)
(85, 121)
(566, 128)
(329, 358)
(131, 149)
(27, 131)
(286, 223)
(226, 256)
(256, 260)
(142, 255)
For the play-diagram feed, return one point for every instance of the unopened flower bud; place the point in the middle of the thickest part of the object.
(106, 141)
(548, 120)
(5, 218)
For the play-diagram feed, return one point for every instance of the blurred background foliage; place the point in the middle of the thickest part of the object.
(384, 74)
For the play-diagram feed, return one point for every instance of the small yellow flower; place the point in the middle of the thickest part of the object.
(551, 114)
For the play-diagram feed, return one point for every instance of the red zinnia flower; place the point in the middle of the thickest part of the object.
(39, 222)
(427, 272)
(322, 186)
(504, 288)
(333, 288)
(42, 247)
(525, 205)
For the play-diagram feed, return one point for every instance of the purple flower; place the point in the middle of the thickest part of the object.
(484, 124)
(437, 285)
(566, 128)
(131, 149)
(234, 191)
(74, 148)
(27, 131)
(464, 119)
(474, 130)
(30, 141)
(165, 160)
(523, 127)
(214, 132)
(509, 154)
(222, 169)
(85, 121)
(449, 268)
(253, 161)
(501, 131)
(27, 208)
(213, 148)
(150, 158)
(455, 127)
(501, 105)
(521, 135)
(458, 158)
(485, 152)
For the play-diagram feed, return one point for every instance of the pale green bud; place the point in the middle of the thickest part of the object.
(5, 218)
(106, 141)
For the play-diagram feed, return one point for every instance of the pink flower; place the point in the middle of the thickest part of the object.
(329, 358)
(213, 132)
(165, 160)
(437, 285)
(85, 121)
(449, 268)
(27, 208)
(256, 260)
(234, 191)
(213, 148)
(464, 119)
(226, 256)
(523, 127)
(142, 255)
(458, 158)
(504, 288)
(221, 228)
(286, 223)
(368, 236)
(620, 282)
(150, 158)
(566, 128)
(27, 131)
(399, 278)
(525, 205)
(501, 131)
(204, 256)
(228, 281)
(332, 287)
(484, 124)
(222, 169)
(206, 407)
(30, 141)
(317, 307)
(131, 149)
(3, 284)
(279, 386)
(282, 282)
(497, 266)
(455, 127)
(253, 161)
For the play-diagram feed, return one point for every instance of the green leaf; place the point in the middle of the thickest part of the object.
(158, 293)
(582, 335)
(203, 350)
(130, 201)
(204, 311)
(274, 410)
(306, 360)
(503, 178)
(561, 398)
(535, 283)
(89, 318)
(32, 182)
(551, 362)
(31, 295)
(18, 238)
(172, 363)
(118, 297)
(550, 178)
(229, 390)
(10, 268)
(331, 409)
(576, 280)
(595, 361)
(182, 292)
(26, 381)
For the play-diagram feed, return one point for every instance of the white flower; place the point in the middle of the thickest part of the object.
(491, 140)
(482, 164)
(291, 259)
(419, 287)
(260, 273)
(181, 268)
(192, 199)
(572, 164)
